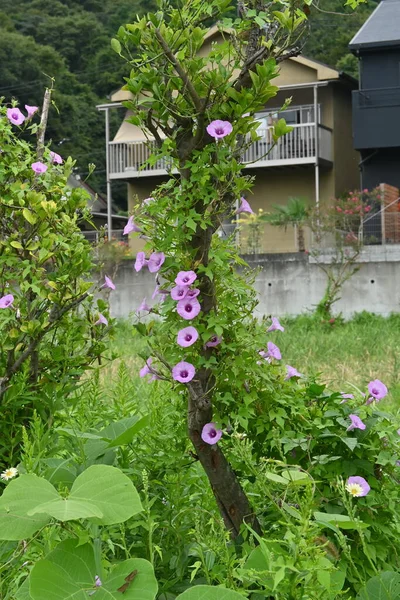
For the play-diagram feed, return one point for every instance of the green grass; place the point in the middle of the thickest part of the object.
(354, 352)
(343, 353)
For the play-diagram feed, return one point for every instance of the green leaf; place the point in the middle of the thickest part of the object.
(385, 586)
(208, 592)
(122, 432)
(29, 216)
(68, 509)
(68, 573)
(110, 490)
(16, 244)
(350, 442)
(341, 521)
(19, 497)
(116, 46)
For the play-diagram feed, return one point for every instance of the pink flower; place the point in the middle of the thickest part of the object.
(56, 158)
(101, 320)
(244, 207)
(210, 434)
(6, 301)
(357, 486)
(31, 110)
(140, 261)
(185, 278)
(339, 210)
(356, 423)
(131, 226)
(144, 306)
(148, 200)
(193, 293)
(155, 261)
(156, 292)
(291, 372)
(377, 389)
(15, 116)
(108, 283)
(183, 372)
(146, 369)
(275, 326)
(179, 292)
(273, 351)
(39, 167)
(219, 129)
(188, 308)
(367, 209)
(398, 432)
(215, 340)
(187, 337)
(97, 581)
(346, 397)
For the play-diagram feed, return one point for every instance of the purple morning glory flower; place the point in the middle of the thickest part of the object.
(188, 308)
(6, 301)
(275, 326)
(346, 397)
(356, 423)
(187, 336)
(39, 167)
(193, 293)
(146, 369)
(215, 340)
(156, 292)
(185, 277)
(31, 110)
(291, 372)
(101, 320)
(273, 351)
(210, 434)
(183, 372)
(56, 158)
(244, 208)
(144, 306)
(108, 283)
(179, 292)
(219, 129)
(357, 486)
(140, 261)
(398, 432)
(97, 581)
(15, 116)
(148, 200)
(155, 261)
(131, 226)
(377, 389)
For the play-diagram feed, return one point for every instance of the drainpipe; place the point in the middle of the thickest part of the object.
(109, 199)
(316, 121)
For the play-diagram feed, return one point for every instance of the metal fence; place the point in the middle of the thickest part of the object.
(95, 236)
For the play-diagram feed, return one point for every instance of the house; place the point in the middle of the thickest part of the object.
(376, 104)
(98, 207)
(315, 160)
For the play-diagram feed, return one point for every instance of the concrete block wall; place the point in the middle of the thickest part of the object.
(289, 284)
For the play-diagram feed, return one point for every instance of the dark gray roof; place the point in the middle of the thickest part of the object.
(381, 30)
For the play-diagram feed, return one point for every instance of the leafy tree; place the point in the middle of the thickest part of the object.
(295, 213)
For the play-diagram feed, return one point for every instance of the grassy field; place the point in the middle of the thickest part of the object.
(354, 352)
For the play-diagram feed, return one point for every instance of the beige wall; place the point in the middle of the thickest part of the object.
(139, 189)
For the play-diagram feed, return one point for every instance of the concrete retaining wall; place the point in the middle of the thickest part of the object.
(288, 284)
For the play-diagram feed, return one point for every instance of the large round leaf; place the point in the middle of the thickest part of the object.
(68, 509)
(68, 573)
(110, 490)
(385, 586)
(208, 592)
(20, 497)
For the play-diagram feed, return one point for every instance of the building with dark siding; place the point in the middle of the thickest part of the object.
(376, 105)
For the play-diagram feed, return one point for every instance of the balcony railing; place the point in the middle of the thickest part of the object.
(377, 97)
(129, 159)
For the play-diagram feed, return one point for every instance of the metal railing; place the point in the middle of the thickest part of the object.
(95, 236)
(377, 97)
(130, 159)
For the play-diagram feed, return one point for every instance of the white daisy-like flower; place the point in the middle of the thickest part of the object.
(9, 473)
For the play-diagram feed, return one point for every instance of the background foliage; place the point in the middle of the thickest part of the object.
(70, 40)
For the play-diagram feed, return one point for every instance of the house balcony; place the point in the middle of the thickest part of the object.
(376, 118)
(299, 147)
